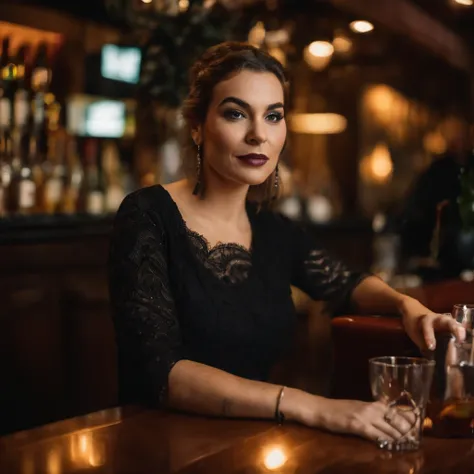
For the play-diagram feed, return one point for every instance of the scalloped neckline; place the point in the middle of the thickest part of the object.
(218, 245)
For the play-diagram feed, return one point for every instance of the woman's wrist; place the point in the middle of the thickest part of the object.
(409, 306)
(403, 303)
(303, 407)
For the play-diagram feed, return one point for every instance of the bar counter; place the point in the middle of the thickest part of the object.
(133, 440)
(49, 228)
(350, 238)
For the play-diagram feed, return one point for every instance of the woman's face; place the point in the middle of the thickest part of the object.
(245, 128)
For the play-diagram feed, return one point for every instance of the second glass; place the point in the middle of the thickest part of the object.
(453, 409)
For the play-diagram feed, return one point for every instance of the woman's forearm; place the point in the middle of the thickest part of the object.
(202, 389)
(374, 296)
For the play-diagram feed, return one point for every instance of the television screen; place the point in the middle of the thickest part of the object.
(120, 63)
(105, 119)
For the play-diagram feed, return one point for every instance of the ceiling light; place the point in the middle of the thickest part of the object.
(321, 49)
(318, 54)
(342, 44)
(361, 26)
(466, 3)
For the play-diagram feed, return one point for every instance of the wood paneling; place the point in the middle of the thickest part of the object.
(56, 340)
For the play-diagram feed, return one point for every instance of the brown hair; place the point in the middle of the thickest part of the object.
(214, 66)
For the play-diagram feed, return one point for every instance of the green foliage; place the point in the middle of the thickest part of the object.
(171, 43)
(466, 197)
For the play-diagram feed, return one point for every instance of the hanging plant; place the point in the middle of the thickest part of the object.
(173, 34)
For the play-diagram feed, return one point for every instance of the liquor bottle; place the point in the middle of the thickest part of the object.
(54, 173)
(93, 189)
(56, 166)
(41, 73)
(6, 149)
(40, 81)
(22, 191)
(6, 157)
(5, 171)
(8, 73)
(6, 92)
(21, 98)
(21, 122)
(113, 176)
(73, 178)
(5, 56)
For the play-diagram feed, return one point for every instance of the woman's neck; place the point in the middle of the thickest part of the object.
(223, 201)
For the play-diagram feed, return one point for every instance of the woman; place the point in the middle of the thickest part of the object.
(200, 276)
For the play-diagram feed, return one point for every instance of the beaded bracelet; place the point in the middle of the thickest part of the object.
(279, 416)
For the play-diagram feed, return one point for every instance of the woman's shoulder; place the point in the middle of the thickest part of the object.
(153, 198)
(151, 205)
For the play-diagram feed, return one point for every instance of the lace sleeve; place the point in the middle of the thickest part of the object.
(319, 275)
(146, 326)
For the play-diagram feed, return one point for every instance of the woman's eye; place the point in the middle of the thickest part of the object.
(233, 114)
(275, 117)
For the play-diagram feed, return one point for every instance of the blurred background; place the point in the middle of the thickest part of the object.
(379, 162)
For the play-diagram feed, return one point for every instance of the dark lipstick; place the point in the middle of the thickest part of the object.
(253, 159)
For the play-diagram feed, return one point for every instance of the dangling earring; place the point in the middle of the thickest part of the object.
(276, 183)
(197, 188)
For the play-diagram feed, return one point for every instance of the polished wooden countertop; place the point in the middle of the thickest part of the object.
(132, 440)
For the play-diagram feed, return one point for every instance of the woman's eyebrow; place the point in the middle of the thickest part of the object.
(245, 105)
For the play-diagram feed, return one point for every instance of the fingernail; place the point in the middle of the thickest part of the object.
(431, 346)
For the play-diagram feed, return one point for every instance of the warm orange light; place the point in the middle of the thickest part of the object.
(427, 423)
(377, 167)
(435, 143)
(466, 3)
(318, 54)
(321, 49)
(20, 35)
(274, 458)
(342, 44)
(278, 54)
(361, 26)
(382, 102)
(381, 164)
(317, 123)
(257, 34)
(53, 462)
(183, 5)
(85, 451)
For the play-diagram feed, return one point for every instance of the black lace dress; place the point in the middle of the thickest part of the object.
(175, 298)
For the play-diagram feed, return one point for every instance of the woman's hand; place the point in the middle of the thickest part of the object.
(374, 421)
(421, 324)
